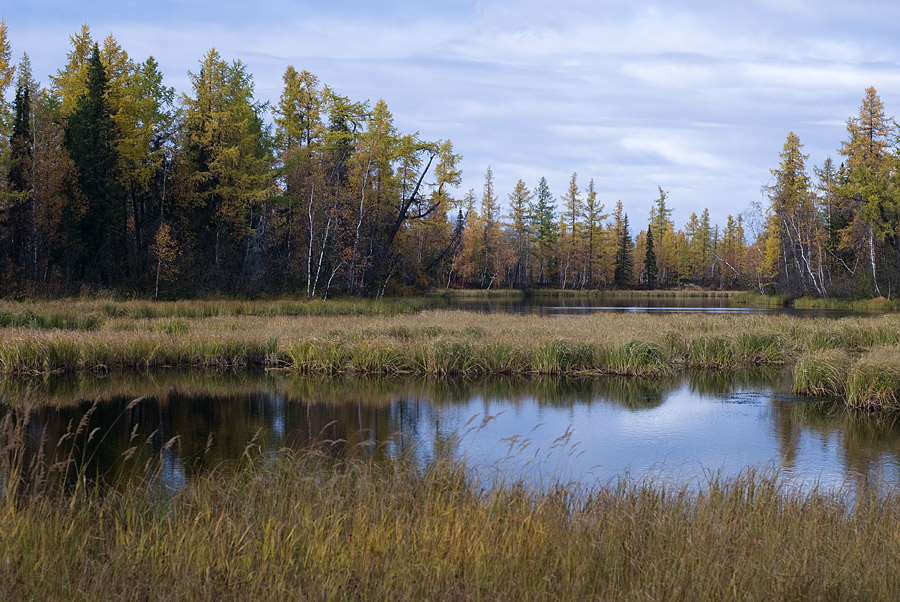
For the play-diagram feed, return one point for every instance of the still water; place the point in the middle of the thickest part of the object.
(543, 430)
(583, 306)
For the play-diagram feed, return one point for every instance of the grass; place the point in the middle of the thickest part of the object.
(441, 343)
(757, 300)
(873, 382)
(305, 525)
(63, 318)
(869, 380)
(91, 314)
(876, 304)
(389, 341)
(822, 373)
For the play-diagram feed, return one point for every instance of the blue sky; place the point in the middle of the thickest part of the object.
(694, 96)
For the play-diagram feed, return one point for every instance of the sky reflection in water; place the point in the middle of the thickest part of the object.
(543, 430)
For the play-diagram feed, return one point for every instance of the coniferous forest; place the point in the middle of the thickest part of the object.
(110, 180)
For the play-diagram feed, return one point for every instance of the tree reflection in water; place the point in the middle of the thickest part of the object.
(185, 424)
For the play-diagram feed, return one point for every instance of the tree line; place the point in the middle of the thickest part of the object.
(109, 179)
(836, 232)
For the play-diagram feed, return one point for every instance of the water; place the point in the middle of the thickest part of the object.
(593, 431)
(567, 306)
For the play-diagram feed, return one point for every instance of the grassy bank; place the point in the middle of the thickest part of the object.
(305, 526)
(874, 305)
(868, 381)
(879, 304)
(80, 314)
(441, 343)
(397, 338)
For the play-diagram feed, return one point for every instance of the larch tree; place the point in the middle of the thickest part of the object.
(7, 71)
(520, 229)
(664, 235)
(496, 255)
(145, 120)
(869, 206)
(226, 159)
(796, 218)
(593, 234)
(70, 83)
(570, 234)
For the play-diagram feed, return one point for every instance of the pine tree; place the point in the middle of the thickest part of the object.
(21, 142)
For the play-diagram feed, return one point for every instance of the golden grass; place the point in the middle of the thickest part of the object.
(442, 342)
(873, 383)
(822, 373)
(439, 343)
(307, 526)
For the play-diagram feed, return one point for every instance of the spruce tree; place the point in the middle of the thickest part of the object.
(544, 227)
(622, 275)
(650, 268)
(21, 148)
(91, 140)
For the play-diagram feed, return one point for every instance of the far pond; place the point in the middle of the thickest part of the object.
(576, 305)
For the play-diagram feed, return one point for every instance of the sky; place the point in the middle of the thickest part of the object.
(696, 97)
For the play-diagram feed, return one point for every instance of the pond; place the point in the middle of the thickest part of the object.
(577, 305)
(593, 431)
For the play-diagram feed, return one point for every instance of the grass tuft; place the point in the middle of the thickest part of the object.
(822, 373)
(874, 381)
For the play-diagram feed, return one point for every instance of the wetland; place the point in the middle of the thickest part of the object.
(407, 449)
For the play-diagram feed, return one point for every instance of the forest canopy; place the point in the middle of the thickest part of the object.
(110, 180)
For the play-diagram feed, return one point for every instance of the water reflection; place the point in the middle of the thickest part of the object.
(544, 429)
(574, 305)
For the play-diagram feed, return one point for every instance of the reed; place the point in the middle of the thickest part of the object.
(873, 382)
(757, 300)
(62, 318)
(304, 525)
(441, 343)
(880, 304)
(822, 373)
(91, 314)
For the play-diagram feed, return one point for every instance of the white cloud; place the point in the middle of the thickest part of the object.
(673, 149)
(695, 96)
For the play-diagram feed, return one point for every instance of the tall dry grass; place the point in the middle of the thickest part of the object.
(443, 342)
(438, 343)
(305, 525)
